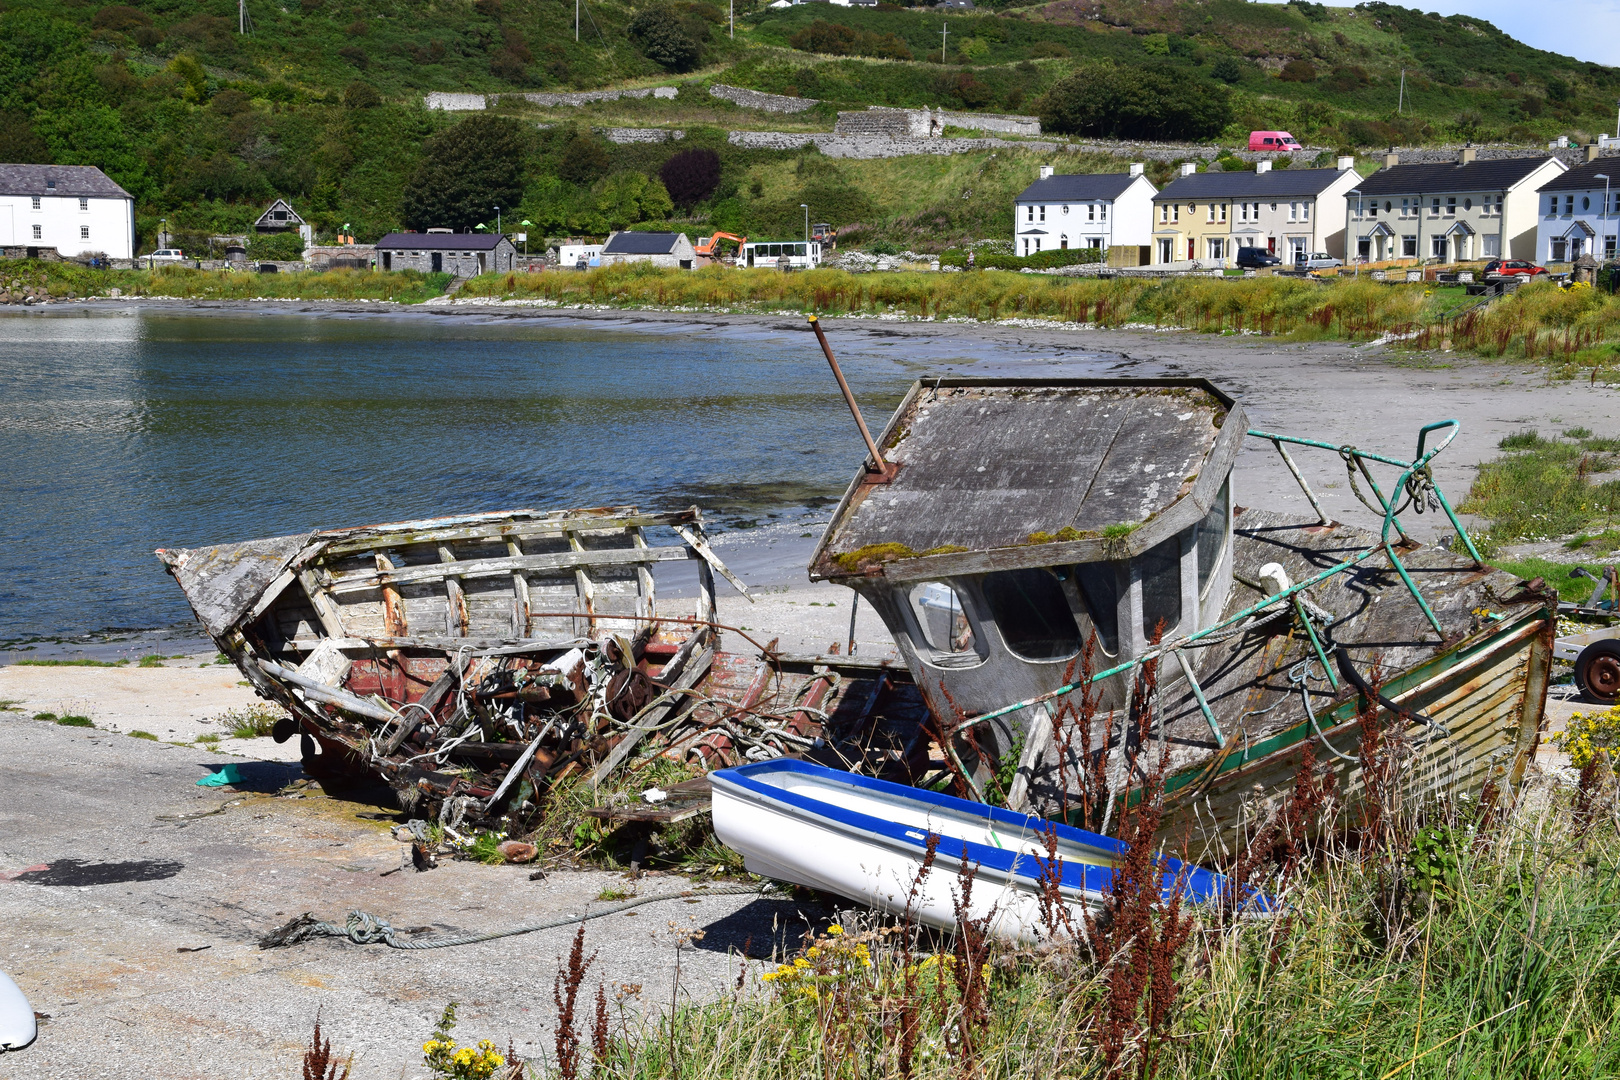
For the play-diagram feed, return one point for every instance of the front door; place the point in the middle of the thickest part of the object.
(388, 260)
(438, 262)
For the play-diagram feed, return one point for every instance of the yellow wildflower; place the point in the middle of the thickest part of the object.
(834, 930)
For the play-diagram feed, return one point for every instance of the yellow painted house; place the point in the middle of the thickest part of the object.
(1207, 216)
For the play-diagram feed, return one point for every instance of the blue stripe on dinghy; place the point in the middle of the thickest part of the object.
(1200, 884)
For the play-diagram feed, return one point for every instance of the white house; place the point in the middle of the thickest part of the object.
(1579, 212)
(1449, 211)
(1081, 210)
(658, 248)
(75, 209)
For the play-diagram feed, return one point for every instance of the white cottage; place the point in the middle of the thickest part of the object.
(75, 209)
(1081, 210)
(658, 248)
(1579, 212)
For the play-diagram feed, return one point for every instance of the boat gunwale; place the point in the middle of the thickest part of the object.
(1203, 885)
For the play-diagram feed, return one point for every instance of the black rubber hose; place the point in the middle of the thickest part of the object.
(1354, 678)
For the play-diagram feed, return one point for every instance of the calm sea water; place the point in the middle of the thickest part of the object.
(121, 432)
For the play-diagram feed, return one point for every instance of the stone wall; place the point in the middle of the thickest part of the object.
(1430, 155)
(1008, 125)
(641, 135)
(877, 146)
(454, 102)
(886, 123)
(754, 99)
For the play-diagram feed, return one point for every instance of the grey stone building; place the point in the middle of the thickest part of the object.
(658, 248)
(462, 254)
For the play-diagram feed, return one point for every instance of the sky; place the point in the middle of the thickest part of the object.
(1585, 29)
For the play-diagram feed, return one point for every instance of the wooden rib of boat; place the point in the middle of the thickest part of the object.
(866, 839)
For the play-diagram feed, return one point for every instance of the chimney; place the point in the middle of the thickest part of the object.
(1136, 168)
(1346, 163)
(1262, 167)
(1465, 156)
(1592, 152)
(1188, 168)
(1391, 159)
(1046, 172)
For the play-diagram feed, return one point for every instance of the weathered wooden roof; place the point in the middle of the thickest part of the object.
(987, 465)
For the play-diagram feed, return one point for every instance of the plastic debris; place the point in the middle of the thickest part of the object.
(653, 796)
(230, 774)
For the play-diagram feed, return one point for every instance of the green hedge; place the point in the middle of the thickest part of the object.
(276, 247)
(1045, 260)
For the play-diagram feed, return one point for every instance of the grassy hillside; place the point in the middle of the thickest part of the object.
(321, 103)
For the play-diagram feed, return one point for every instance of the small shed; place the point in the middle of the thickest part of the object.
(461, 254)
(658, 248)
(281, 217)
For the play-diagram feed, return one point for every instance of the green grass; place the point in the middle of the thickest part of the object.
(151, 661)
(209, 737)
(10, 705)
(71, 721)
(138, 734)
(613, 892)
(253, 722)
(1541, 490)
(70, 663)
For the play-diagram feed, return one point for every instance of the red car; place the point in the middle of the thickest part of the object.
(1510, 267)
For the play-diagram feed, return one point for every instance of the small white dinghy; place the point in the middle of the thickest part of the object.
(866, 839)
(17, 1027)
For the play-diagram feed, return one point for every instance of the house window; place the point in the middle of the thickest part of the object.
(84, 232)
(1026, 245)
(84, 203)
(1211, 216)
(1293, 211)
(1552, 204)
(50, 185)
(1586, 203)
(1468, 204)
(1406, 208)
(1409, 246)
(1029, 213)
(1166, 254)
(1091, 212)
(1043, 213)
(1434, 208)
(1608, 247)
(1164, 213)
(36, 202)
(1065, 209)
(1305, 211)
(37, 235)
(1451, 206)
(1560, 251)
(1175, 212)
(1437, 247)
(1223, 210)
(1569, 204)
(1102, 211)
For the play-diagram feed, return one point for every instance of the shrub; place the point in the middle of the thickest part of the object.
(120, 17)
(1228, 69)
(358, 95)
(1043, 50)
(835, 39)
(276, 247)
(1300, 71)
(1135, 103)
(666, 39)
(691, 176)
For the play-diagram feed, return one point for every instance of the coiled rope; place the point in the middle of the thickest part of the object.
(363, 928)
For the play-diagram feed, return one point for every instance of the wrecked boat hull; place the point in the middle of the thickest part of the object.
(867, 840)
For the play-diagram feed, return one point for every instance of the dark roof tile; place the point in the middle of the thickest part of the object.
(71, 180)
(1239, 185)
(641, 243)
(1076, 187)
(439, 241)
(1583, 177)
(1491, 175)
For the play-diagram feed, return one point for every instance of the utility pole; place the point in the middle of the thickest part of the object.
(731, 13)
(243, 23)
(943, 31)
(576, 22)
(806, 208)
(1400, 102)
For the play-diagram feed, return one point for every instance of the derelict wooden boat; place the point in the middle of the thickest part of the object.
(866, 840)
(469, 661)
(1011, 521)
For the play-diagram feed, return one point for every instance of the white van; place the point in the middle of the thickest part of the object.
(769, 254)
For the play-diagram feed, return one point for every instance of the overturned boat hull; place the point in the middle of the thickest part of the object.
(867, 840)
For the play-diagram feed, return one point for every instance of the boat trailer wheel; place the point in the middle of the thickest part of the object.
(1597, 671)
(284, 729)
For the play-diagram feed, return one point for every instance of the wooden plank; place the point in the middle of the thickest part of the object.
(701, 546)
(693, 668)
(455, 620)
(584, 587)
(359, 541)
(481, 646)
(522, 622)
(427, 702)
(364, 580)
(394, 621)
(646, 603)
(325, 610)
(329, 694)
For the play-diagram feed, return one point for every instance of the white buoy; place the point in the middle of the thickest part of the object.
(17, 1027)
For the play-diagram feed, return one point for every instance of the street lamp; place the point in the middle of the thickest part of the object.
(806, 208)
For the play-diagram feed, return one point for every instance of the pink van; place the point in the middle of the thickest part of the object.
(1273, 140)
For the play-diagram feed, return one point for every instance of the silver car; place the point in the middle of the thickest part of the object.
(1320, 260)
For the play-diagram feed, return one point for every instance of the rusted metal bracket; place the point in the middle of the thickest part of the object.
(878, 470)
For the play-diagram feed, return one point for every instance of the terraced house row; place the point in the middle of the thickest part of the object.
(1532, 208)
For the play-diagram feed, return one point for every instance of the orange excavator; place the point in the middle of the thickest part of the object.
(709, 246)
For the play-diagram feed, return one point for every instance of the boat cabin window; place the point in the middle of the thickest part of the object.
(1099, 592)
(1032, 612)
(1160, 568)
(944, 625)
(1212, 534)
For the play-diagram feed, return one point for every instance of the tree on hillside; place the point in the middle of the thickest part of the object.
(1135, 103)
(466, 170)
(666, 39)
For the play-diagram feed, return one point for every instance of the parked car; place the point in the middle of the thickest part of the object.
(1252, 258)
(1319, 260)
(1273, 140)
(1513, 267)
(166, 255)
